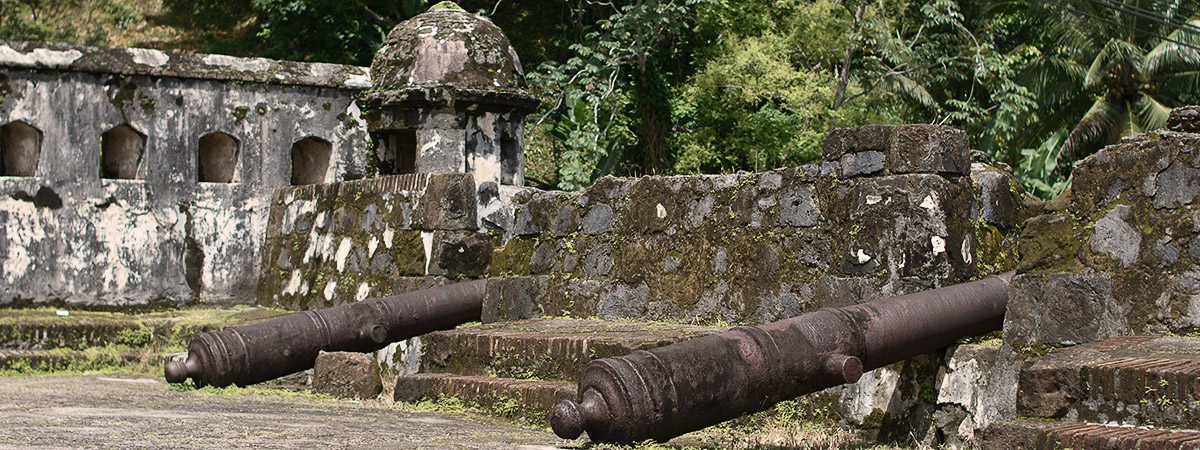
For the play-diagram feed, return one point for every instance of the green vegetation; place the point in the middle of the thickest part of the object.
(106, 342)
(635, 87)
(252, 390)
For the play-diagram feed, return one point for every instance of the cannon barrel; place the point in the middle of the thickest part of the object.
(668, 391)
(270, 349)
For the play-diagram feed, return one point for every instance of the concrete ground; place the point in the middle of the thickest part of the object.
(121, 411)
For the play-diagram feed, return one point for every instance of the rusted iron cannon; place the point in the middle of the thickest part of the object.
(267, 350)
(668, 391)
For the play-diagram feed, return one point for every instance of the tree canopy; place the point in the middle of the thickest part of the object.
(700, 86)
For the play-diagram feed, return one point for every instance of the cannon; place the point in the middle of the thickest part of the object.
(270, 349)
(668, 391)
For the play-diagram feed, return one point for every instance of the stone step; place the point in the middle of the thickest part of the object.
(1043, 435)
(548, 349)
(45, 329)
(526, 400)
(60, 360)
(1131, 380)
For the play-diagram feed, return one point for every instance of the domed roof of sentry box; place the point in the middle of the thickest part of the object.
(447, 46)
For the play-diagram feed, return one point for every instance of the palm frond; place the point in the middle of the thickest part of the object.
(908, 88)
(1115, 52)
(1103, 121)
(1183, 88)
(1069, 36)
(1052, 78)
(1149, 114)
(1182, 54)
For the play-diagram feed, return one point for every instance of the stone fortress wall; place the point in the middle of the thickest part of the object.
(92, 217)
(135, 176)
(749, 248)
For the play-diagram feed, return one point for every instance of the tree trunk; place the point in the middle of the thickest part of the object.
(839, 97)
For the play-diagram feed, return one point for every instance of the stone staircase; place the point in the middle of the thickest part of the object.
(521, 369)
(1124, 392)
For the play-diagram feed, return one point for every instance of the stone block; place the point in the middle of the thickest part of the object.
(1048, 243)
(513, 298)
(976, 386)
(853, 140)
(458, 254)
(402, 284)
(998, 196)
(799, 206)
(653, 206)
(598, 220)
(1115, 237)
(1013, 434)
(928, 149)
(441, 146)
(1063, 309)
(449, 203)
(1132, 380)
(536, 211)
(598, 261)
(347, 375)
(862, 163)
(1177, 186)
(1185, 119)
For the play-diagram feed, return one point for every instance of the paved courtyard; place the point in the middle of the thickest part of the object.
(115, 411)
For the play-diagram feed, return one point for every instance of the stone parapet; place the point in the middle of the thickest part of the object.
(157, 63)
(343, 242)
(896, 149)
(1119, 255)
(132, 177)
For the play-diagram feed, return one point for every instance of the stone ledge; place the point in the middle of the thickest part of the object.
(545, 348)
(144, 61)
(1105, 437)
(528, 400)
(1137, 380)
(891, 150)
(1042, 435)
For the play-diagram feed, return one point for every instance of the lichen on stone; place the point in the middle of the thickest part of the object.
(446, 5)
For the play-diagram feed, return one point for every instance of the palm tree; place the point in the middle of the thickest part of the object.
(1106, 69)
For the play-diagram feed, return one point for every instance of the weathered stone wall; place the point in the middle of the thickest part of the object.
(68, 235)
(754, 248)
(337, 243)
(743, 248)
(1120, 254)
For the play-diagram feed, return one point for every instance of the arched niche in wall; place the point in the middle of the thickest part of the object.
(310, 160)
(20, 147)
(217, 158)
(121, 150)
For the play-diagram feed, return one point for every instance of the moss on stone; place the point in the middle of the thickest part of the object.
(512, 259)
(408, 251)
(995, 251)
(1050, 243)
(446, 5)
(148, 105)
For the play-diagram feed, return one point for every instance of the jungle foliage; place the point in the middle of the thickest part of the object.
(637, 87)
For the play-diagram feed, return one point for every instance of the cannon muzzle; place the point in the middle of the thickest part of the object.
(668, 391)
(277, 347)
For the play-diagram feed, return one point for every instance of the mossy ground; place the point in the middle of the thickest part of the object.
(41, 341)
